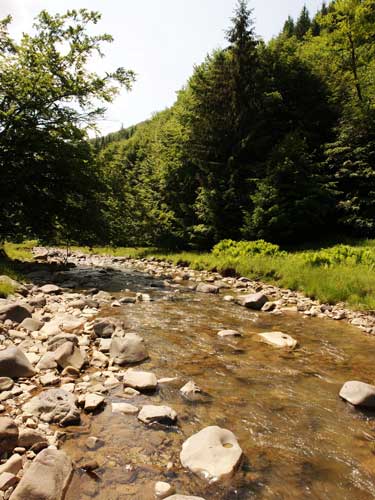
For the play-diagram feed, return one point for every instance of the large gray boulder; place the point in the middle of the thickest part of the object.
(54, 406)
(213, 453)
(14, 363)
(47, 477)
(128, 349)
(253, 301)
(16, 311)
(8, 435)
(358, 394)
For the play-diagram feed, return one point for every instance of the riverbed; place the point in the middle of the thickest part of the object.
(300, 440)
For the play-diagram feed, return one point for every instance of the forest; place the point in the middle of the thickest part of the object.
(272, 141)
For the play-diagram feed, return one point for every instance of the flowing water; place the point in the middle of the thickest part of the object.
(300, 441)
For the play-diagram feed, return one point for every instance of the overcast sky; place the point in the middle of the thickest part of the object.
(160, 40)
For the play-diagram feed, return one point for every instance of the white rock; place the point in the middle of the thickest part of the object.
(161, 414)
(140, 380)
(163, 490)
(93, 401)
(213, 453)
(229, 333)
(124, 408)
(358, 393)
(278, 339)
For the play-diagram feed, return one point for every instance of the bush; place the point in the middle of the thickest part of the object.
(238, 249)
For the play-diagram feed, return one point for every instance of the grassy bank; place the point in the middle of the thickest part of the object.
(340, 273)
(8, 266)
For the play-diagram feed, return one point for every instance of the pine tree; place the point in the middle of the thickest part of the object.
(289, 27)
(303, 23)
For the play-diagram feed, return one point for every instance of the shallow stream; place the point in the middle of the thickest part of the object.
(300, 441)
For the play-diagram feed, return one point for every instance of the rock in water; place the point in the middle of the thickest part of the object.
(253, 301)
(229, 333)
(213, 453)
(358, 394)
(163, 490)
(161, 414)
(183, 497)
(54, 406)
(128, 349)
(15, 311)
(8, 435)
(47, 477)
(104, 328)
(278, 339)
(204, 288)
(14, 363)
(143, 381)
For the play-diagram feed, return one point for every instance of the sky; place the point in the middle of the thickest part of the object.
(161, 40)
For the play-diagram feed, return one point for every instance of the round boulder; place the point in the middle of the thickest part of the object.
(213, 453)
(128, 349)
(54, 406)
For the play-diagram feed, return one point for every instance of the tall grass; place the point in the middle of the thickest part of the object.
(334, 274)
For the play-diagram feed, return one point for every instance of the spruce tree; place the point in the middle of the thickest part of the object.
(303, 23)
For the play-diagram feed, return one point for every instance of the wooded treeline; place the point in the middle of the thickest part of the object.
(272, 141)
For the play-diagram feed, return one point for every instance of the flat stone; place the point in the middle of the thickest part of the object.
(93, 402)
(49, 379)
(229, 333)
(50, 289)
(13, 464)
(69, 355)
(47, 361)
(31, 324)
(278, 339)
(252, 301)
(161, 414)
(358, 394)
(128, 349)
(205, 288)
(58, 340)
(16, 311)
(14, 363)
(29, 437)
(125, 408)
(213, 453)
(6, 384)
(8, 435)
(142, 381)
(183, 497)
(47, 477)
(54, 406)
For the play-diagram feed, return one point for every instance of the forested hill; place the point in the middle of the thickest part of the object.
(273, 141)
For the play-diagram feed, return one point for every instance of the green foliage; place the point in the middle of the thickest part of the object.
(235, 249)
(342, 254)
(48, 98)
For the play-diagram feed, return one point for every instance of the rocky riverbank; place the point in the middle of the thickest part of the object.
(59, 359)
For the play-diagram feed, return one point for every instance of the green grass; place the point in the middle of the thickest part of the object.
(8, 267)
(338, 280)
